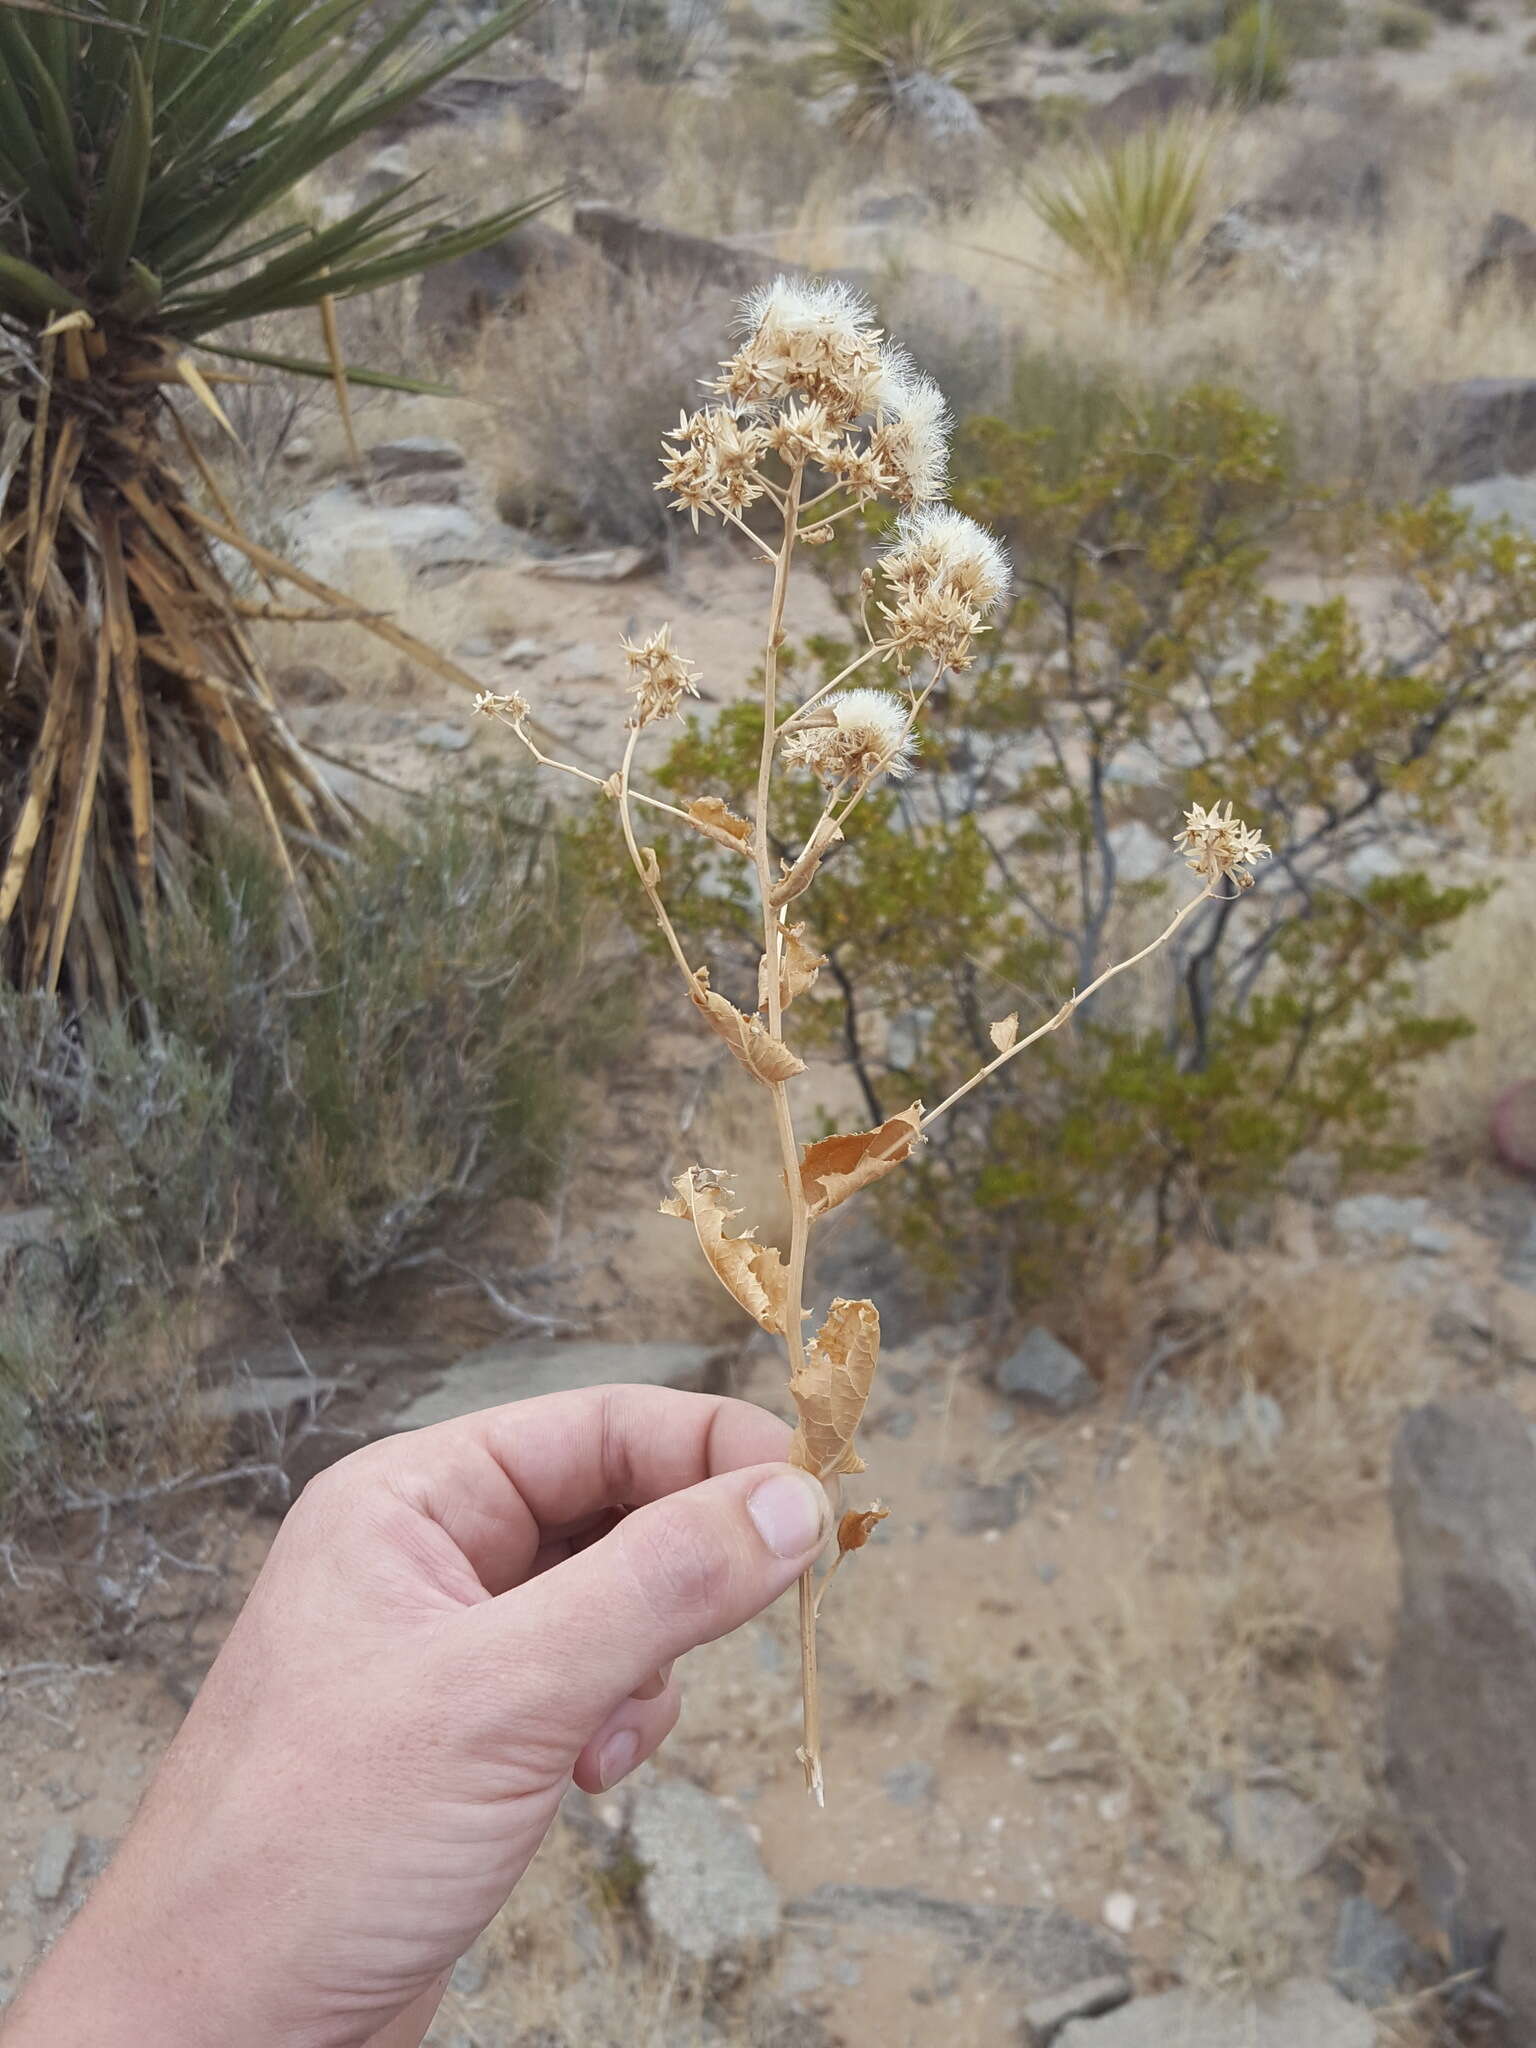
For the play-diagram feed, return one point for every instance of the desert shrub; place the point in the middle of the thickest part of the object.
(306, 1114)
(1077, 21)
(1400, 27)
(583, 383)
(877, 47)
(1144, 668)
(1250, 66)
(1128, 212)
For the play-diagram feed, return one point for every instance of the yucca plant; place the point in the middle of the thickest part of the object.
(147, 149)
(1251, 63)
(1129, 211)
(877, 48)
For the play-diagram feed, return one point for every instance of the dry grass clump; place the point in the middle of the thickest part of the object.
(580, 386)
(815, 417)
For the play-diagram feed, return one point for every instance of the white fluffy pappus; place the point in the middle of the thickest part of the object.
(913, 436)
(936, 545)
(879, 717)
(819, 306)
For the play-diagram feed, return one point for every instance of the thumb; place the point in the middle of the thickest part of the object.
(580, 1637)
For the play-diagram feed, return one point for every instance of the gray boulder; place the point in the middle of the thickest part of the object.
(1494, 499)
(1461, 1742)
(462, 294)
(517, 1372)
(643, 249)
(1044, 1373)
(1506, 257)
(1371, 1954)
(936, 110)
(1303, 2014)
(416, 455)
(50, 1867)
(705, 1892)
(1480, 427)
(1379, 1218)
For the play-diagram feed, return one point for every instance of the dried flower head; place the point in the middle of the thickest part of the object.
(1215, 844)
(869, 735)
(910, 439)
(947, 576)
(661, 677)
(811, 338)
(510, 706)
(714, 467)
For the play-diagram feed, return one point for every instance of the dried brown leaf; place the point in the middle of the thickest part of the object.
(716, 820)
(834, 1168)
(613, 787)
(1006, 1033)
(753, 1274)
(797, 879)
(858, 1525)
(650, 867)
(831, 1388)
(799, 965)
(769, 1058)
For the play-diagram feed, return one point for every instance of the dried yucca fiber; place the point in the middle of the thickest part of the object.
(816, 388)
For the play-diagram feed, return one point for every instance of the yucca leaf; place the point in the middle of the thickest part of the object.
(53, 129)
(124, 182)
(32, 182)
(32, 291)
(308, 366)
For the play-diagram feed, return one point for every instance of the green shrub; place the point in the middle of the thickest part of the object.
(875, 46)
(1129, 211)
(1144, 668)
(1076, 21)
(1250, 66)
(309, 1114)
(1403, 26)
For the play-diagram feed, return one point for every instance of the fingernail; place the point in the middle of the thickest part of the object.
(788, 1512)
(616, 1758)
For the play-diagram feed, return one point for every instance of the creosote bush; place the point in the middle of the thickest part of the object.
(1143, 667)
(310, 1118)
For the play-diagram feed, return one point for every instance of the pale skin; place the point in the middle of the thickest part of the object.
(451, 1628)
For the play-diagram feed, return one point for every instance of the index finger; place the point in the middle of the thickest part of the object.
(505, 1480)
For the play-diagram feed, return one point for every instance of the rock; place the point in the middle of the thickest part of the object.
(50, 1867)
(1506, 256)
(1304, 2014)
(1249, 234)
(336, 525)
(1461, 1746)
(1140, 853)
(445, 735)
(517, 1372)
(910, 1784)
(417, 455)
(897, 1422)
(460, 295)
(1379, 1217)
(894, 209)
(1148, 103)
(1045, 2017)
(518, 653)
(1037, 1949)
(973, 1509)
(1271, 1828)
(1044, 1373)
(535, 101)
(604, 565)
(1495, 499)
(937, 111)
(1371, 1953)
(1431, 1240)
(1513, 1127)
(642, 249)
(1480, 427)
(704, 1892)
(1118, 1912)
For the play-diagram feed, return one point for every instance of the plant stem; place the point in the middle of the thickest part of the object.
(784, 1125)
(1073, 1002)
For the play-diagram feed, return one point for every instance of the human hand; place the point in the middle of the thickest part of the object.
(450, 1626)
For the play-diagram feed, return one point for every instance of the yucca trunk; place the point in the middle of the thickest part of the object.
(143, 151)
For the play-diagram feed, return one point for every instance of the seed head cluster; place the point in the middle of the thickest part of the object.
(510, 706)
(869, 734)
(945, 577)
(815, 382)
(659, 677)
(1215, 844)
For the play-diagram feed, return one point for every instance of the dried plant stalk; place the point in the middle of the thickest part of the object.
(816, 391)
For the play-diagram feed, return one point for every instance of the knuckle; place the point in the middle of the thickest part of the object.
(683, 1567)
